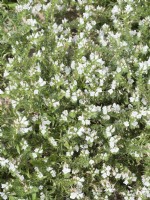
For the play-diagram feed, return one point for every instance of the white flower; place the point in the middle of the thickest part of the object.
(145, 49)
(113, 85)
(128, 8)
(49, 169)
(144, 101)
(118, 176)
(86, 152)
(99, 90)
(80, 118)
(3, 195)
(52, 141)
(81, 21)
(41, 82)
(3, 162)
(80, 131)
(55, 104)
(34, 155)
(73, 195)
(114, 150)
(104, 175)
(96, 171)
(67, 70)
(126, 123)
(40, 187)
(115, 10)
(12, 167)
(134, 114)
(86, 15)
(31, 22)
(88, 27)
(73, 65)
(5, 186)
(104, 110)
(116, 108)
(40, 175)
(112, 144)
(126, 182)
(77, 193)
(1, 92)
(53, 173)
(110, 91)
(118, 69)
(130, 81)
(36, 91)
(91, 162)
(80, 70)
(109, 131)
(74, 98)
(5, 73)
(66, 169)
(87, 122)
(67, 93)
(36, 9)
(135, 123)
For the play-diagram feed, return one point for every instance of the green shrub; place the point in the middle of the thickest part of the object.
(75, 112)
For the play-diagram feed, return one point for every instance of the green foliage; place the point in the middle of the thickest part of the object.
(74, 100)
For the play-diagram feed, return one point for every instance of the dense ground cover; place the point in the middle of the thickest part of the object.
(74, 100)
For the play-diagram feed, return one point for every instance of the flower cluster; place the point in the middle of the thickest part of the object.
(74, 100)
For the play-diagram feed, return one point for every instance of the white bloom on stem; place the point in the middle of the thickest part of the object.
(86, 122)
(104, 110)
(81, 21)
(116, 108)
(80, 70)
(52, 171)
(36, 8)
(126, 123)
(128, 9)
(40, 175)
(135, 123)
(110, 91)
(91, 162)
(66, 169)
(134, 114)
(115, 10)
(41, 82)
(67, 94)
(40, 187)
(3, 195)
(31, 22)
(6, 73)
(80, 118)
(53, 141)
(88, 27)
(5, 186)
(56, 104)
(12, 167)
(74, 98)
(76, 194)
(80, 131)
(114, 149)
(126, 182)
(34, 155)
(36, 91)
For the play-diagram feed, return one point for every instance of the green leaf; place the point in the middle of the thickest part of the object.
(18, 149)
(34, 196)
(11, 198)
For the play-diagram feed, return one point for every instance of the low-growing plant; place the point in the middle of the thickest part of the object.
(75, 112)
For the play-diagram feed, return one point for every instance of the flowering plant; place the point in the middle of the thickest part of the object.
(75, 112)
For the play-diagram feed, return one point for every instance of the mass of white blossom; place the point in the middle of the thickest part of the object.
(75, 106)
